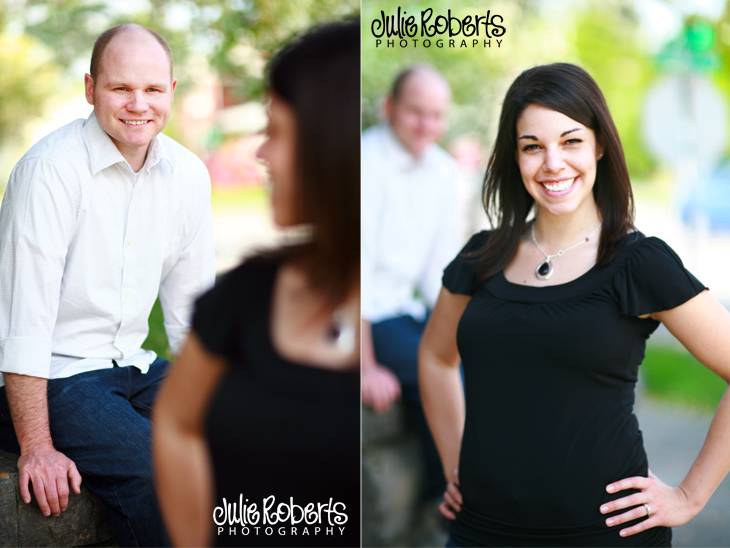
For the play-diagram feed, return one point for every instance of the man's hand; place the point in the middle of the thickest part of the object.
(380, 387)
(49, 471)
(40, 464)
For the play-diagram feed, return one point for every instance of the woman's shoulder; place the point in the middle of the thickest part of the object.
(238, 295)
(250, 280)
(651, 276)
(636, 245)
(253, 269)
(460, 274)
(477, 240)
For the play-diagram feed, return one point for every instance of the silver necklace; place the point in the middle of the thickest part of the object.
(545, 269)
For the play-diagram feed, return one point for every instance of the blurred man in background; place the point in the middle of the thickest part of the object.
(410, 231)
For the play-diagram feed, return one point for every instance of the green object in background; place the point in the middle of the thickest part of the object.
(699, 36)
(157, 338)
(693, 49)
(676, 376)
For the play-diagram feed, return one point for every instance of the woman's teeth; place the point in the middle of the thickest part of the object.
(559, 186)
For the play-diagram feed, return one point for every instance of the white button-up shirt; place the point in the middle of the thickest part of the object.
(410, 225)
(86, 245)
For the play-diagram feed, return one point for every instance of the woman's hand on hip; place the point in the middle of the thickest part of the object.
(452, 497)
(660, 504)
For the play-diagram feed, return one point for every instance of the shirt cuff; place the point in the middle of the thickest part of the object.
(175, 337)
(26, 356)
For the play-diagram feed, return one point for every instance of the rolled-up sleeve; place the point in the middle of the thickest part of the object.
(38, 216)
(194, 270)
(370, 227)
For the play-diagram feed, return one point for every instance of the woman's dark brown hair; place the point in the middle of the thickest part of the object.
(570, 90)
(318, 76)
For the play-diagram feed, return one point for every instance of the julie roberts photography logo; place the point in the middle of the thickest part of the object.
(268, 517)
(427, 29)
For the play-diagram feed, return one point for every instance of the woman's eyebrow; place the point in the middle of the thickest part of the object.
(533, 138)
(570, 131)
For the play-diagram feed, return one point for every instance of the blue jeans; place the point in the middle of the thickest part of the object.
(101, 421)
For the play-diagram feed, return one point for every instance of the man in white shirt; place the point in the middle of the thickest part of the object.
(98, 219)
(410, 231)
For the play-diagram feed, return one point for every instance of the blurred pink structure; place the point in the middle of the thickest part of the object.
(234, 163)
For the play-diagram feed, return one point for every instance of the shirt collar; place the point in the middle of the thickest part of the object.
(103, 153)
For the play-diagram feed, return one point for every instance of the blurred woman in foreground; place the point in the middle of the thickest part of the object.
(261, 408)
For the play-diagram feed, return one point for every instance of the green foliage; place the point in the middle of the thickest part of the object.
(674, 375)
(609, 47)
(262, 27)
(721, 76)
(66, 26)
(157, 338)
(28, 81)
(234, 37)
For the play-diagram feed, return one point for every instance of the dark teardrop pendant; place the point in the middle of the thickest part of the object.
(544, 270)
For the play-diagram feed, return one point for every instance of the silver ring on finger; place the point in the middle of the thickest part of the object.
(648, 510)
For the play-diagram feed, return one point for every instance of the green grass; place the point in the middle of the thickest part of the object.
(674, 375)
(157, 338)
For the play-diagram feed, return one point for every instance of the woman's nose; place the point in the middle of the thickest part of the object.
(553, 160)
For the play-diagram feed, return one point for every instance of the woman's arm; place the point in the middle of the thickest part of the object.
(440, 386)
(183, 474)
(702, 325)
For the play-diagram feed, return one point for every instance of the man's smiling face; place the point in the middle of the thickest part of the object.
(132, 92)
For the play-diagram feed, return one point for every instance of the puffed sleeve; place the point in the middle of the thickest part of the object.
(216, 317)
(460, 275)
(654, 279)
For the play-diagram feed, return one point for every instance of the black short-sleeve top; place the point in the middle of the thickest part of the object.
(276, 427)
(549, 377)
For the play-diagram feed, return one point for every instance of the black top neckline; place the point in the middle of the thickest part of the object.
(499, 286)
(269, 339)
(569, 282)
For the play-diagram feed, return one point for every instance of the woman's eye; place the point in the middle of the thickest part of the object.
(573, 141)
(530, 148)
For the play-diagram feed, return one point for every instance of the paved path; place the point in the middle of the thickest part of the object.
(673, 436)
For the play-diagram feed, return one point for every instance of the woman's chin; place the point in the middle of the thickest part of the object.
(567, 208)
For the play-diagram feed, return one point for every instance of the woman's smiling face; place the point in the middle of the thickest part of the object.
(557, 158)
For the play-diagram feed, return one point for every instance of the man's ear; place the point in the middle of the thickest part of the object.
(89, 88)
(388, 107)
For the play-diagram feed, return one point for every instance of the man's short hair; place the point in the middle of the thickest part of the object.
(401, 78)
(105, 37)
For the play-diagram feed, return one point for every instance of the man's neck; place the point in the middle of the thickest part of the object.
(135, 158)
(415, 157)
